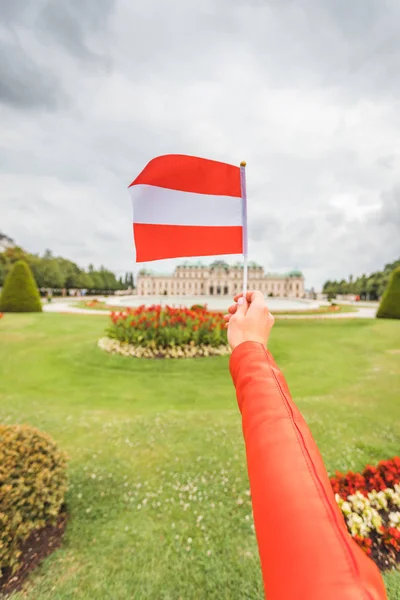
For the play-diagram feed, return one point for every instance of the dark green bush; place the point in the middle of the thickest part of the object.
(20, 293)
(390, 304)
(33, 483)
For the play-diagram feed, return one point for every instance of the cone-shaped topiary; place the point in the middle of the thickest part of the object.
(20, 292)
(390, 304)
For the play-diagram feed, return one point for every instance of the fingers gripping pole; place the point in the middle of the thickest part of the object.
(244, 223)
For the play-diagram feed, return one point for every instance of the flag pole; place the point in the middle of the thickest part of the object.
(244, 222)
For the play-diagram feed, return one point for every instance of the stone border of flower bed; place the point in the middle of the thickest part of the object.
(114, 346)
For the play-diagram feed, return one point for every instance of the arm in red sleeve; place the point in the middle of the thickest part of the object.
(305, 550)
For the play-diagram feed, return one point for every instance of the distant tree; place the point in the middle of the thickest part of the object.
(390, 304)
(20, 293)
(97, 281)
(129, 281)
(47, 273)
(70, 273)
(84, 281)
(360, 286)
(326, 286)
(2, 273)
(57, 272)
(371, 287)
(110, 282)
(14, 254)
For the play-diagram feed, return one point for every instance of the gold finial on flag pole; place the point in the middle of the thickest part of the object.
(243, 163)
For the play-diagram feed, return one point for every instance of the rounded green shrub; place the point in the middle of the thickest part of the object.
(389, 307)
(20, 292)
(33, 483)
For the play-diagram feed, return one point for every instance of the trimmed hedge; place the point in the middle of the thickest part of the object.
(33, 483)
(20, 292)
(389, 307)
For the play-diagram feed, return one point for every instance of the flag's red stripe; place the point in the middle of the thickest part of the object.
(191, 174)
(155, 242)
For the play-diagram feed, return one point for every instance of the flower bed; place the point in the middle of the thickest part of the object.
(166, 332)
(370, 504)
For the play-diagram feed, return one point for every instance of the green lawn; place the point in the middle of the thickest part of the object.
(322, 310)
(158, 495)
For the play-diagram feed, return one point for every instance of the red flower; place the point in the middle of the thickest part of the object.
(385, 474)
(391, 538)
(365, 543)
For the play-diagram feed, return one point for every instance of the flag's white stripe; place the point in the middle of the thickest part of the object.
(162, 206)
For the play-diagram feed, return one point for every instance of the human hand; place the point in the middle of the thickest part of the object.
(249, 320)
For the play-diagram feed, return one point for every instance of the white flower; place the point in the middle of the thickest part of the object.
(394, 519)
(378, 499)
(346, 508)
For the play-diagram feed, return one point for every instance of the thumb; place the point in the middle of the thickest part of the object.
(242, 306)
(257, 303)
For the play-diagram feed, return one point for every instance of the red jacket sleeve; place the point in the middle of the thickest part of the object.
(305, 550)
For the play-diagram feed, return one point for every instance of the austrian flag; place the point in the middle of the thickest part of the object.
(187, 206)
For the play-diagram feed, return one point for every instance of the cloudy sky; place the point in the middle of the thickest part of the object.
(307, 91)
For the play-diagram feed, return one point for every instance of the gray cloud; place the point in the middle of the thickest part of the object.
(23, 84)
(27, 80)
(68, 24)
(305, 91)
(389, 214)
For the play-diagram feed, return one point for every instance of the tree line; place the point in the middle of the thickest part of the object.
(57, 273)
(368, 287)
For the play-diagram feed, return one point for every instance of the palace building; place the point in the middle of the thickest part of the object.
(219, 279)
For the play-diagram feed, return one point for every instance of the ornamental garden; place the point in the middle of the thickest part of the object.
(122, 469)
(166, 332)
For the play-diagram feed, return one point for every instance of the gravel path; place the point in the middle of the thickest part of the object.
(68, 307)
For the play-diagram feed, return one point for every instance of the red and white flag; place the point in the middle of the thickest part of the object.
(187, 206)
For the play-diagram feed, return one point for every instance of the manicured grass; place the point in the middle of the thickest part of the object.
(158, 496)
(322, 310)
(89, 304)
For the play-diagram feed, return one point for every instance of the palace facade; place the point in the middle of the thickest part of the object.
(219, 279)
